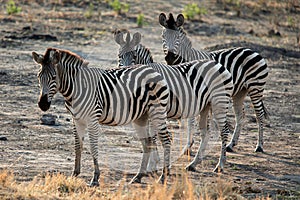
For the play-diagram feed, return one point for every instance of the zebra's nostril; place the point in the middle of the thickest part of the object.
(43, 103)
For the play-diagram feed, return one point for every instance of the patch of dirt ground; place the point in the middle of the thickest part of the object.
(30, 149)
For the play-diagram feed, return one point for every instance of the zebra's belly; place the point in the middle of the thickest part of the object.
(119, 116)
(115, 120)
(182, 108)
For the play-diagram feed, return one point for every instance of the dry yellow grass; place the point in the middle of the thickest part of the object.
(58, 186)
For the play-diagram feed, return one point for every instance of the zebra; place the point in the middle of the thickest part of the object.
(249, 72)
(131, 52)
(112, 97)
(184, 97)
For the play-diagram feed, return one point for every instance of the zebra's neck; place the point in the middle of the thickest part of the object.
(187, 52)
(143, 55)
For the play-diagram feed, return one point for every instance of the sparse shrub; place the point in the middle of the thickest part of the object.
(11, 7)
(236, 6)
(291, 22)
(89, 13)
(192, 11)
(140, 20)
(233, 5)
(118, 6)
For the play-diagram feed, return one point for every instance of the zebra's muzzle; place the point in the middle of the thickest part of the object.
(43, 103)
(172, 59)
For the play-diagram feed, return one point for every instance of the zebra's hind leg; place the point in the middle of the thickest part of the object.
(204, 139)
(166, 142)
(220, 112)
(238, 107)
(93, 132)
(78, 131)
(190, 141)
(261, 114)
(158, 118)
(154, 156)
(224, 135)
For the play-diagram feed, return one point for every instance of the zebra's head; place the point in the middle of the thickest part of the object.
(127, 54)
(173, 37)
(47, 76)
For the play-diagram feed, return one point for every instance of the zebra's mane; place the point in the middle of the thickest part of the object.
(65, 54)
(139, 48)
(171, 23)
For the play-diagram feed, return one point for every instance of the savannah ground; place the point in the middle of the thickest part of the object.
(36, 160)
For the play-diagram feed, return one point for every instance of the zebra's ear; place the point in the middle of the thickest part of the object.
(118, 35)
(128, 38)
(55, 57)
(163, 20)
(37, 57)
(179, 20)
(136, 39)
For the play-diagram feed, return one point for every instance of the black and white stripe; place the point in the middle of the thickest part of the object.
(249, 71)
(194, 88)
(112, 97)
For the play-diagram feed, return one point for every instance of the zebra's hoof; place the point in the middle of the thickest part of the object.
(229, 149)
(137, 179)
(259, 149)
(190, 168)
(94, 184)
(187, 152)
(162, 179)
(218, 170)
(153, 173)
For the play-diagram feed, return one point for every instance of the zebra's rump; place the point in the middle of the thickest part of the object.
(248, 68)
(193, 85)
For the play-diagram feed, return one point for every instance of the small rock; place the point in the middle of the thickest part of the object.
(272, 32)
(48, 119)
(252, 190)
(283, 192)
(3, 138)
(3, 73)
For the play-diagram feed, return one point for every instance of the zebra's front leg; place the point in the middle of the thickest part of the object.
(145, 158)
(167, 164)
(204, 139)
(93, 132)
(78, 131)
(142, 131)
(153, 159)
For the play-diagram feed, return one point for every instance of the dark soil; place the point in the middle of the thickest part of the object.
(30, 149)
